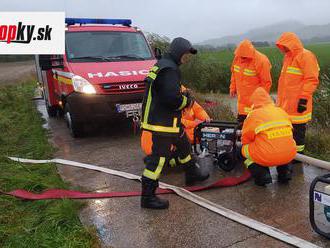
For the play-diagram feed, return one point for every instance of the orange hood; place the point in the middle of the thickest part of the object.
(260, 98)
(290, 41)
(245, 49)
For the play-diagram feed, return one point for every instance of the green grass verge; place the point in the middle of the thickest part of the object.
(318, 143)
(48, 223)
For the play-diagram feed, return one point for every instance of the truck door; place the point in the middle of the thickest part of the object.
(44, 77)
(44, 66)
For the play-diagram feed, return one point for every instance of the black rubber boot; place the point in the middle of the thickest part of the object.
(284, 173)
(260, 174)
(148, 197)
(195, 173)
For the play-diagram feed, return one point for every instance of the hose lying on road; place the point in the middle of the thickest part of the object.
(61, 193)
(239, 218)
(313, 161)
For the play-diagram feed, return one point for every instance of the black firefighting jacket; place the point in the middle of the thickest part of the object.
(163, 100)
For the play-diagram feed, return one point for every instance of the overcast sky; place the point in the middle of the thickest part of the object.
(196, 20)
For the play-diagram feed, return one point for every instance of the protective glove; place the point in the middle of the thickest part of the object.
(302, 105)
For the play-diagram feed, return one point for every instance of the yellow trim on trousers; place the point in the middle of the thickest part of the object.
(154, 175)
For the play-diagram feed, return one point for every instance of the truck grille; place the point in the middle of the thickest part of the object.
(120, 88)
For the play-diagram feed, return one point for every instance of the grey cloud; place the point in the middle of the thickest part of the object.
(193, 19)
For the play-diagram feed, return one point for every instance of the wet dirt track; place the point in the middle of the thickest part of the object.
(13, 72)
(120, 222)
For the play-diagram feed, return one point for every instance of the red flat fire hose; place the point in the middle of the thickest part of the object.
(165, 188)
(61, 193)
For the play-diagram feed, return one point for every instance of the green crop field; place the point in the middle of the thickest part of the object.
(321, 50)
(210, 71)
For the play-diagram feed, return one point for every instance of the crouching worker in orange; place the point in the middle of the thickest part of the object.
(267, 140)
(191, 117)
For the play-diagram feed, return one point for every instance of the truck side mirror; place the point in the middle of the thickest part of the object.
(44, 62)
(158, 53)
(47, 62)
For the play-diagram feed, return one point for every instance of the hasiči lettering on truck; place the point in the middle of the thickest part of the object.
(100, 76)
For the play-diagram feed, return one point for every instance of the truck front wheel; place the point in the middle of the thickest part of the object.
(76, 128)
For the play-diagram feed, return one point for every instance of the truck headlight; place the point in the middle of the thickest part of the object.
(81, 85)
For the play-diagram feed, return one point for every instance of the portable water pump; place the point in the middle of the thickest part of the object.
(219, 139)
(321, 195)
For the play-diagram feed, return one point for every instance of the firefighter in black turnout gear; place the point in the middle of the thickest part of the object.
(161, 114)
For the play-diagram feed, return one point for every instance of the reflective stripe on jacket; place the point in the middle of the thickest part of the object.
(299, 78)
(163, 100)
(247, 75)
(267, 133)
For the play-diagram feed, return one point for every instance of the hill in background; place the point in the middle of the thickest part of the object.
(308, 33)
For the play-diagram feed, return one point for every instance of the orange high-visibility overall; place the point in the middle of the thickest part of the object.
(250, 69)
(299, 78)
(267, 136)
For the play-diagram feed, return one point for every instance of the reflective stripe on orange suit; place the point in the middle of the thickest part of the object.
(268, 132)
(299, 78)
(191, 117)
(249, 75)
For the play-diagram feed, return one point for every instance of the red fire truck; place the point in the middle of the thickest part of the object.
(100, 76)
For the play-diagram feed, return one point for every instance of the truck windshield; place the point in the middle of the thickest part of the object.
(106, 46)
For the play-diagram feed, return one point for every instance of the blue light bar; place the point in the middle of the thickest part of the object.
(72, 21)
